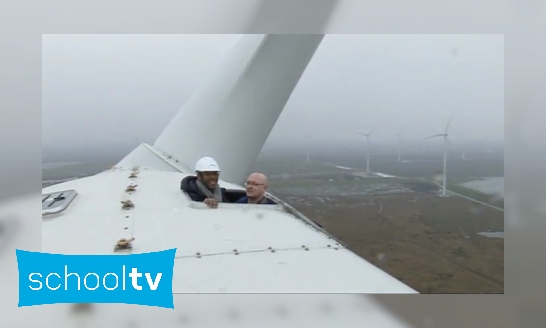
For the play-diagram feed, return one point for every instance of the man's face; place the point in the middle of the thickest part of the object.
(210, 179)
(255, 186)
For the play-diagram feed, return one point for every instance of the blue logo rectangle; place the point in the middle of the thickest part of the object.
(141, 279)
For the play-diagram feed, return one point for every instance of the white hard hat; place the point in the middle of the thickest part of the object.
(207, 164)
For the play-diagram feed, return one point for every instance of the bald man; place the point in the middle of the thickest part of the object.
(256, 186)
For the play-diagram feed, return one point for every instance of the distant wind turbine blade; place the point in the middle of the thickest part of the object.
(449, 122)
(435, 136)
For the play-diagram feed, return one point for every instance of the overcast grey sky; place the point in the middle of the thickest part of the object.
(110, 89)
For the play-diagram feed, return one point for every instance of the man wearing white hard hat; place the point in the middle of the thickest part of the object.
(204, 186)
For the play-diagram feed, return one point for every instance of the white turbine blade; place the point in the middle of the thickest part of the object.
(435, 136)
(262, 69)
(270, 13)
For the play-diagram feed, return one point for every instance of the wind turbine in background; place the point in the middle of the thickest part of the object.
(446, 141)
(398, 147)
(463, 148)
(307, 136)
(367, 135)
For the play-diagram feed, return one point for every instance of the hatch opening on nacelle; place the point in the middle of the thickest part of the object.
(56, 202)
(234, 195)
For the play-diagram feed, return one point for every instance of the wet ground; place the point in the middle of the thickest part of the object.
(433, 244)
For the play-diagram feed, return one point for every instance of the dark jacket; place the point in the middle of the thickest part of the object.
(244, 200)
(189, 185)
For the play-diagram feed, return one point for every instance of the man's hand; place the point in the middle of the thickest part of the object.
(211, 202)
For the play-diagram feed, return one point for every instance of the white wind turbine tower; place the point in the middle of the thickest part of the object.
(463, 147)
(446, 140)
(398, 147)
(307, 136)
(367, 135)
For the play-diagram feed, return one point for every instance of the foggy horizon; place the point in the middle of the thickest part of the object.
(114, 91)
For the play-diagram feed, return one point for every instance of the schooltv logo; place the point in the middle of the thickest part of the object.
(141, 279)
